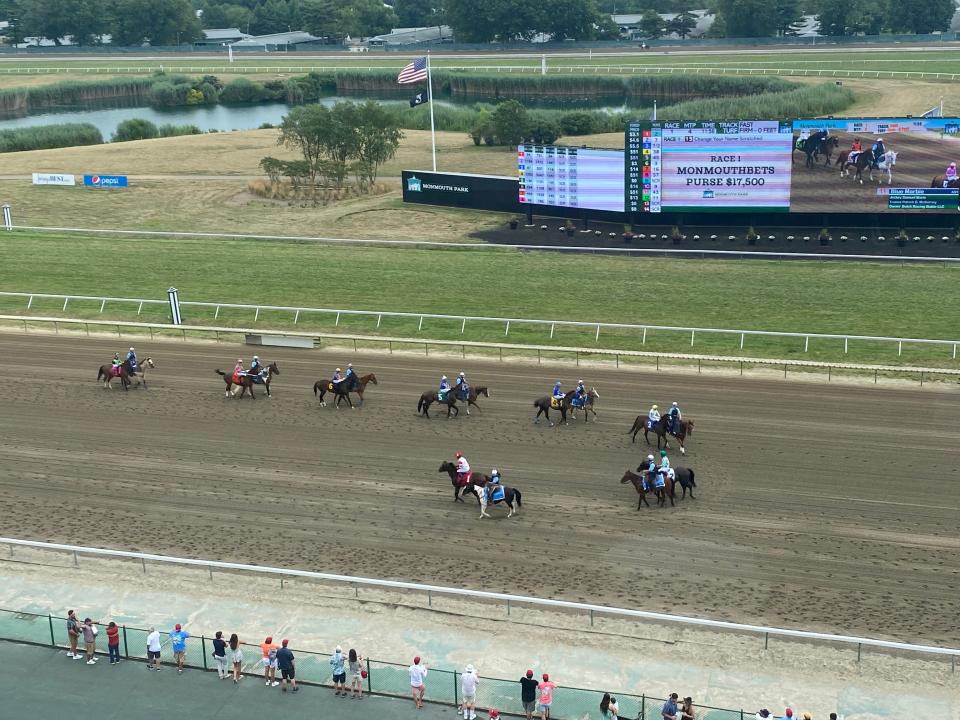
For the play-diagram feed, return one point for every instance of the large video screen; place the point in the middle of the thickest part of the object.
(571, 177)
(805, 166)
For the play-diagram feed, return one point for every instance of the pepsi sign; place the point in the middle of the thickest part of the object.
(105, 181)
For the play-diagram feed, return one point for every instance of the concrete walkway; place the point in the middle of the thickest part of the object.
(40, 682)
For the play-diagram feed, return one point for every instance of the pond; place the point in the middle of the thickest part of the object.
(223, 118)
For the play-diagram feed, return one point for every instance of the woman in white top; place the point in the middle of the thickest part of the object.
(418, 673)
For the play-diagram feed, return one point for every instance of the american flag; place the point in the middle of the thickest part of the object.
(414, 72)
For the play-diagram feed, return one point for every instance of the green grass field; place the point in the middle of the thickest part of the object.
(848, 298)
(892, 63)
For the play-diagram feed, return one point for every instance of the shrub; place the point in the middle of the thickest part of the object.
(577, 122)
(44, 137)
(211, 95)
(165, 94)
(135, 129)
(194, 97)
(543, 130)
(241, 90)
(266, 126)
(511, 123)
(177, 130)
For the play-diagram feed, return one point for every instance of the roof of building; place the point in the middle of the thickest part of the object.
(225, 34)
(405, 36)
(287, 38)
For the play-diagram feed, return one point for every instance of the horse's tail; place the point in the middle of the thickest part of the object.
(937, 181)
(316, 388)
(536, 403)
(100, 373)
(519, 498)
(421, 404)
(693, 481)
(636, 427)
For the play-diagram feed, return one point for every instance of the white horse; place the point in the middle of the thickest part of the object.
(861, 162)
(887, 161)
(509, 495)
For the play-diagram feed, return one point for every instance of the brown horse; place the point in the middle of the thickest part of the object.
(322, 387)
(474, 394)
(686, 428)
(246, 382)
(106, 373)
(938, 182)
(587, 406)
(431, 396)
(661, 493)
(476, 480)
(545, 404)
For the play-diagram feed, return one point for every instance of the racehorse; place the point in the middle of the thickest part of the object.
(938, 181)
(140, 374)
(247, 382)
(684, 477)
(587, 406)
(661, 493)
(476, 478)
(123, 372)
(472, 395)
(431, 396)
(545, 404)
(509, 495)
(322, 387)
(686, 428)
(815, 145)
(864, 160)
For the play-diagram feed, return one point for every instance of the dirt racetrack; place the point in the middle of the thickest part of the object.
(821, 189)
(818, 507)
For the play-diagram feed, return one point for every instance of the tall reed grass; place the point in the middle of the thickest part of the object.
(44, 137)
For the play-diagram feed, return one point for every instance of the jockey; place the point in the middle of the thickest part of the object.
(557, 392)
(463, 389)
(950, 174)
(650, 472)
(879, 150)
(856, 147)
(654, 415)
(804, 136)
(444, 389)
(675, 418)
(255, 367)
(494, 477)
(116, 363)
(463, 467)
(581, 390)
(238, 370)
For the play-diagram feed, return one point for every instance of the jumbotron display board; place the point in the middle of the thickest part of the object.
(846, 165)
(571, 177)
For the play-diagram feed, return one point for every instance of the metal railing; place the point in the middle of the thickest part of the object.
(313, 668)
(595, 327)
(509, 600)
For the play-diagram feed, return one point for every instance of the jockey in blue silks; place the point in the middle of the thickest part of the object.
(879, 150)
(255, 369)
(496, 489)
(132, 360)
(444, 388)
(557, 393)
(653, 417)
(462, 388)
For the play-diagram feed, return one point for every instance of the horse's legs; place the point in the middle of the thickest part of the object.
(683, 450)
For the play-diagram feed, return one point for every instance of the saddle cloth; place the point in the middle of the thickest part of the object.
(496, 494)
(555, 403)
(115, 371)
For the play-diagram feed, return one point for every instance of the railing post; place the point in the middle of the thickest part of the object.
(456, 690)
(30, 302)
(845, 341)
(103, 304)
(463, 326)
(507, 329)
(597, 338)
(53, 638)
(419, 327)
(76, 561)
(693, 334)
(203, 644)
(379, 318)
(66, 300)
(741, 340)
(126, 649)
(508, 608)
(143, 562)
(139, 309)
(644, 340)
(859, 649)
(553, 327)
(429, 598)
(256, 315)
(766, 640)
(296, 317)
(900, 348)
(216, 314)
(806, 343)
(369, 677)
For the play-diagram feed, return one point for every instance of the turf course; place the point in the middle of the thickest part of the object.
(851, 298)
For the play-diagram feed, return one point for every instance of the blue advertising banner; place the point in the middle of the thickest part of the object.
(105, 181)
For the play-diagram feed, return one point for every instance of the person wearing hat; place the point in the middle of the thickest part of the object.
(256, 369)
(178, 643)
(285, 661)
(649, 472)
(336, 380)
(238, 371)
(580, 394)
(462, 387)
(546, 688)
(665, 470)
(338, 662)
(418, 673)
(463, 468)
(950, 175)
(132, 357)
(468, 684)
(350, 377)
(675, 417)
(653, 417)
(556, 395)
(763, 714)
(879, 150)
(528, 693)
(444, 389)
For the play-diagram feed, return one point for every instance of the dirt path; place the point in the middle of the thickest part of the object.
(795, 523)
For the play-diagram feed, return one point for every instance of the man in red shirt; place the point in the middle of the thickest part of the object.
(113, 643)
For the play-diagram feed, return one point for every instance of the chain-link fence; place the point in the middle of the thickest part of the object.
(383, 678)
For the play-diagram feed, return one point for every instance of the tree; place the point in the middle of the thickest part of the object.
(81, 20)
(575, 19)
(225, 15)
(378, 137)
(490, 20)
(788, 15)
(510, 123)
(748, 18)
(304, 129)
(159, 22)
(275, 16)
(682, 23)
(652, 25)
(921, 16)
(416, 13)
(134, 129)
(321, 18)
(365, 18)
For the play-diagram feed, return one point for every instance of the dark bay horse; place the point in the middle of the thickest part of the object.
(661, 493)
(431, 396)
(819, 143)
(473, 395)
(477, 479)
(938, 182)
(686, 428)
(545, 404)
(246, 382)
(322, 387)
(684, 477)
(866, 161)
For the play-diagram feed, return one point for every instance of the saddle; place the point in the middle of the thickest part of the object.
(115, 370)
(463, 479)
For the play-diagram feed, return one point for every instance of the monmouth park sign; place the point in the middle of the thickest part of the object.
(105, 181)
(53, 179)
(480, 192)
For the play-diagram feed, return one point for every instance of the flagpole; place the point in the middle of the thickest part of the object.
(433, 134)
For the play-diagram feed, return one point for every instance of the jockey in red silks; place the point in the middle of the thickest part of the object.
(463, 469)
(238, 371)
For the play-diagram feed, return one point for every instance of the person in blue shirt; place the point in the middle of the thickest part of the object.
(337, 379)
(255, 369)
(178, 642)
(879, 150)
(132, 360)
(653, 417)
(462, 388)
(669, 709)
(649, 473)
(350, 378)
(444, 388)
(557, 394)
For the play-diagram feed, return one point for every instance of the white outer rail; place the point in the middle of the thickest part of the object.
(506, 322)
(539, 349)
(486, 595)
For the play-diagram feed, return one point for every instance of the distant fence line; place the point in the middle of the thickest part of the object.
(540, 351)
(595, 327)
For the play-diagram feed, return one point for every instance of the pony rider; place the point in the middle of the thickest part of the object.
(950, 175)
(580, 393)
(493, 484)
